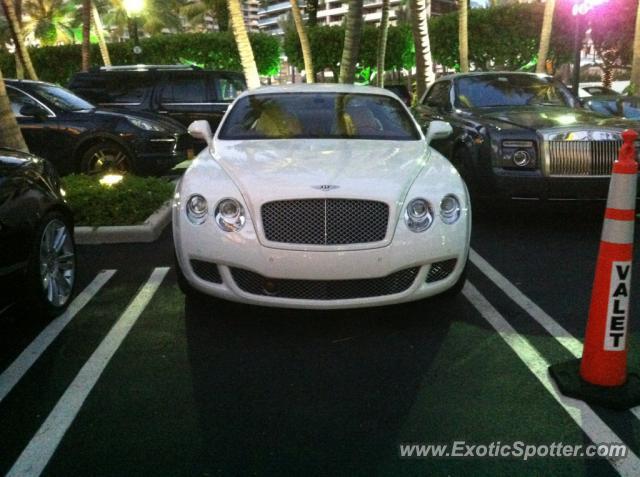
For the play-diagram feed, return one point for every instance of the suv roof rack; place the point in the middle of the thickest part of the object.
(148, 67)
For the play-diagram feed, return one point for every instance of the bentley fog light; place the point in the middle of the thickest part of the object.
(450, 209)
(418, 215)
(197, 209)
(229, 215)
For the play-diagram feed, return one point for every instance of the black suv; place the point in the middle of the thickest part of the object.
(186, 93)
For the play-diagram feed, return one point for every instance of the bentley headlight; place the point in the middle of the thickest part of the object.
(518, 154)
(418, 215)
(197, 209)
(145, 124)
(230, 215)
(450, 209)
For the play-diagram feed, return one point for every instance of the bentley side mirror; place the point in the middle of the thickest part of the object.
(438, 130)
(201, 130)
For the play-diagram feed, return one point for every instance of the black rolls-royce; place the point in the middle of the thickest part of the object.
(37, 250)
(523, 136)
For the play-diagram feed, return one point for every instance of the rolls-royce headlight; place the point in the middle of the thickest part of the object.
(230, 215)
(450, 209)
(197, 209)
(418, 215)
(518, 154)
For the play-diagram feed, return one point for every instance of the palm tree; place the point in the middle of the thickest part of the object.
(463, 36)
(50, 21)
(16, 34)
(351, 48)
(10, 135)
(99, 29)
(304, 41)
(196, 12)
(424, 66)
(86, 35)
(545, 36)
(244, 47)
(19, 68)
(157, 16)
(382, 43)
(635, 65)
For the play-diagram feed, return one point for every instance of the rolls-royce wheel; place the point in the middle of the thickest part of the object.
(106, 157)
(51, 273)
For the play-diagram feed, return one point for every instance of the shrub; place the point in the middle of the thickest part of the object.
(218, 50)
(129, 202)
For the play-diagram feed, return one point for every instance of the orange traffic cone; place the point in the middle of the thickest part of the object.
(601, 376)
(604, 359)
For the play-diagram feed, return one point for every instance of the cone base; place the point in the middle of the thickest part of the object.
(619, 398)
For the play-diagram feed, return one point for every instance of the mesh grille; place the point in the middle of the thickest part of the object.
(441, 270)
(256, 284)
(206, 271)
(582, 158)
(325, 221)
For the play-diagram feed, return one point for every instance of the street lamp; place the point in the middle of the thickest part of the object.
(579, 10)
(134, 9)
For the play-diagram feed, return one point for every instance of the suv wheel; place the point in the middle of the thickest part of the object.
(104, 158)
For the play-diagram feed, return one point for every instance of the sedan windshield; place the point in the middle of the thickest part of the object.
(61, 98)
(485, 91)
(319, 116)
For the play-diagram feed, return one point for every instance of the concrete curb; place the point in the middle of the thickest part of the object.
(147, 232)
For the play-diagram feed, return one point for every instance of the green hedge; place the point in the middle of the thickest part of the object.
(212, 50)
(505, 37)
(326, 47)
(129, 202)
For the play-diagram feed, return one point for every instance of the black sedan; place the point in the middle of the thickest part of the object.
(523, 136)
(78, 137)
(37, 250)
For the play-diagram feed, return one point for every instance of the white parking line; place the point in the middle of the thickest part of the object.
(554, 328)
(44, 443)
(566, 339)
(580, 412)
(14, 373)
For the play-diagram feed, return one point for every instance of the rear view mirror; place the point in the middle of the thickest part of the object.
(201, 130)
(438, 130)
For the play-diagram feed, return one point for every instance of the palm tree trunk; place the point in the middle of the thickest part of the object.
(635, 66)
(382, 43)
(304, 41)
(19, 68)
(545, 36)
(10, 135)
(16, 34)
(244, 47)
(463, 36)
(351, 48)
(99, 28)
(420, 9)
(86, 35)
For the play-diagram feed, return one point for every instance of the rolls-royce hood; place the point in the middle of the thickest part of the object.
(267, 170)
(547, 117)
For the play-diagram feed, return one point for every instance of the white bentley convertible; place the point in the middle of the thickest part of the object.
(320, 196)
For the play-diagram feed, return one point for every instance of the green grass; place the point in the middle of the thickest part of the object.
(129, 202)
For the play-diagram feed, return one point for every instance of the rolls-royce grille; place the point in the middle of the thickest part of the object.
(257, 284)
(582, 158)
(325, 221)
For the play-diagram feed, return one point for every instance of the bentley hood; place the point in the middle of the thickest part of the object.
(294, 169)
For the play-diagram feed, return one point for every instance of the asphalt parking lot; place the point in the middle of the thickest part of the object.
(133, 380)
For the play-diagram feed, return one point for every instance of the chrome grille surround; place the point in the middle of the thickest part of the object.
(257, 284)
(580, 152)
(325, 221)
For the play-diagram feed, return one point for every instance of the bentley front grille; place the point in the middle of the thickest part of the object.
(582, 158)
(325, 221)
(257, 284)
